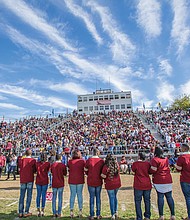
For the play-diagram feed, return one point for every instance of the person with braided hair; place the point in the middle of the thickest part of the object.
(111, 176)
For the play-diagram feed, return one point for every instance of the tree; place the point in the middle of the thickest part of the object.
(182, 103)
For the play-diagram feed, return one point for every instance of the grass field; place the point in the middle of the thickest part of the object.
(9, 194)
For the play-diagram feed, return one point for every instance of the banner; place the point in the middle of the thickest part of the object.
(104, 102)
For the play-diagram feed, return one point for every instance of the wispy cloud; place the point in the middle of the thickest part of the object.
(165, 92)
(32, 17)
(180, 32)
(10, 106)
(149, 17)
(165, 68)
(34, 97)
(85, 17)
(121, 46)
(185, 88)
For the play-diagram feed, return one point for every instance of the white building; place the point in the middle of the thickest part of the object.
(104, 101)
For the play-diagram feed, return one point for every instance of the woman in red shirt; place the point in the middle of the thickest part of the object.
(162, 180)
(76, 180)
(110, 174)
(42, 168)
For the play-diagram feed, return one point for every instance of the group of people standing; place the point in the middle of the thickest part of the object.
(98, 170)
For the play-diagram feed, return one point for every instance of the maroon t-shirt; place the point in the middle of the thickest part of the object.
(162, 175)
(42, 173)
(184, 162)
(58, 171)
(141, 178)
(76, 171)
(111, 182)
(27, 170)
(93, 169)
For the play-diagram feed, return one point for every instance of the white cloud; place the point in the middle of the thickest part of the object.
(181, 24)
(185, 88)
(34, 97)
(28, 15)
(121, 46)
(149, 17)
(10, 106)
(79, 12)
(165, 92)
(165, 68)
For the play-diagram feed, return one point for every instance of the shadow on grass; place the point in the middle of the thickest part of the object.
(126, 188)
(9, 188)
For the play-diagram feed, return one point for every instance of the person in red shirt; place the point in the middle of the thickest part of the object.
(93, 169)
(183, 166)
(110, 174)
(42, 168)
(142, 186)
(162, 180)
(76, 180)
(2, 162)
(58, 170)
(27, 170)
(123, 164)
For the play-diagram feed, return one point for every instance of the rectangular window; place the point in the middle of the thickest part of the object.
(122, 106)
(106, 97)
(91, 98)
(101, 107)
(107, 107)
(128, 96)
(96, 108)
(111, 97)
(101, 97)
(95, 98)
(79, 99)
(84, 99)
(90, 108)
(117, 106)
(116, 96)
(85, 109)
(122, 96)
(128, 105)
(111, 107)
(80, 109)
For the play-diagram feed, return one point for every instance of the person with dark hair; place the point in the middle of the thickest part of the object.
(42, 168)
(76, 180)
(183, 166)
(12, 167)
(142, 186)
(93, 169)
(51, 160)
(110, 174)
(58, 170)
(27, 170)
(2, 162)
(162, 180)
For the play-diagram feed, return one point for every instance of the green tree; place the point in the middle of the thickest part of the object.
(182, 103)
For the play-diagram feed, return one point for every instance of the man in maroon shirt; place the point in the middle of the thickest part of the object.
(93, 169)
(183, 166)
(27, 170)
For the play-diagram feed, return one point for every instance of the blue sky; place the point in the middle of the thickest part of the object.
(55, 49)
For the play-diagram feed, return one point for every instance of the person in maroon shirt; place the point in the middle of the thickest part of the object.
(162, 180)
(42, 168)
(183, 166)
(27, 170)
(2, 162)
(93, 169)
(58, 170)
(76, 180)
(142, 186)
(110, 174)
(123, 164)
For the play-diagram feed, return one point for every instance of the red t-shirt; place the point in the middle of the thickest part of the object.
(27, 170)
(141, 178)
(162, 175)
(42, 173)
(93, 169)
(58, 171)
(76, 171)
(111, 182)
(2, 161)
(184, 162)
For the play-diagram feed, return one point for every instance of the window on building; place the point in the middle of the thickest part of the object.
(101, 107)
(80, 109)
(79, 99)
(111, 97)
(95, 98)
(107, 107)
(122, 106)
(122, 96)
(85, 109)
(96, 108)
(128, 96)
(85, 99)
(101, 97)
(91, 108)
(128, 105)
(106, 97)
(91, 98)
(111, 107)
(116, 96)
(117, 106)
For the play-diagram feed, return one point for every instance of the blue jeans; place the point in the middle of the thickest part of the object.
(23, 188)
(170, 202)
(186, 192)
(138, 195)
(58, 191)
(41, 192)
(113, 200)
(76, 189)
(95, 192)
(50, 179)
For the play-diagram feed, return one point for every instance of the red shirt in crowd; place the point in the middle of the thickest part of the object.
(93, 168)
(183, 162)
(42, 173)
(160, 170)
(111, 182)
(123, 161)
(76, 171)
(141, 178)
(2, 161)
(58, 171)
(27, 170)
